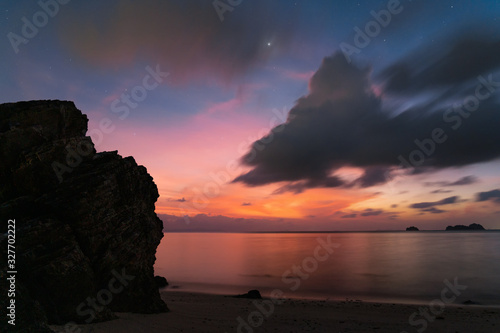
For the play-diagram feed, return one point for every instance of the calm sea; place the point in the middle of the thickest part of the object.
(372, 266)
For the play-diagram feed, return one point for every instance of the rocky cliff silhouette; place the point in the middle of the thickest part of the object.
(85, 226)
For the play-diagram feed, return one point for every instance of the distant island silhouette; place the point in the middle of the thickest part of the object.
(473, 226)
(412, 228)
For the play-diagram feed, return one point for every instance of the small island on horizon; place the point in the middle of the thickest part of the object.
(473, 226)
(459, 227)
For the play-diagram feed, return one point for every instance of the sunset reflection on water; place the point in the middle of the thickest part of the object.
(371, 266)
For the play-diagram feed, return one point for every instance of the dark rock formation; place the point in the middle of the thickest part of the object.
(252, 294)
(473, 226)
(161, 281)
(469, 302)
(85, 221)
(412, 228)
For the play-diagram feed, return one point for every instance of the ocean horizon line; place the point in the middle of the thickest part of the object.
(328, 231)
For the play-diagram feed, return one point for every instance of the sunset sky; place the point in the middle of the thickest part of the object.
(339, 93)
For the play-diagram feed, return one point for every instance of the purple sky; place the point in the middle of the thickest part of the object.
(280, 115)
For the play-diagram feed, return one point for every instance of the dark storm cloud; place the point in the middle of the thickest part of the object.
(341, 123)
(467, 180)
(373, 176)
(301, 186)
(349, 216)
(426, 205)
(186, 37)
(493, 195)
(464, 61)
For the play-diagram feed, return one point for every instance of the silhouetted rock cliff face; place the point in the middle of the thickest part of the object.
(85, 221)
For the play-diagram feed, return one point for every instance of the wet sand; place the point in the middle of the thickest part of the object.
(191, 312)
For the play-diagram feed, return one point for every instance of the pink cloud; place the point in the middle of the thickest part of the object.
(226, 107)
(186, 38)
(300, 76)
(244, 93)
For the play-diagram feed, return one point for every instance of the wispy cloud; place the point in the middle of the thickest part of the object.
(439, 191)
(427, 205)
(467, 180)
(372, 212)
(493, 195)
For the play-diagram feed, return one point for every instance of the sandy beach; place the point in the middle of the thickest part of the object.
(192, 312)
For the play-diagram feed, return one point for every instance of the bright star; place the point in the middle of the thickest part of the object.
(268, 44)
